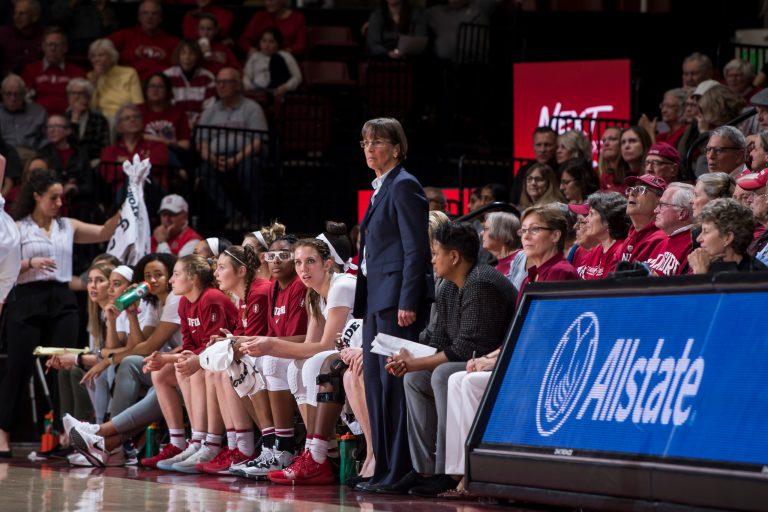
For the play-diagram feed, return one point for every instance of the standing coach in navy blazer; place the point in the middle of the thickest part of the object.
(394, 289)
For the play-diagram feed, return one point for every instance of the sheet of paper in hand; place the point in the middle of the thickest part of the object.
(131, 240)
(387, 345)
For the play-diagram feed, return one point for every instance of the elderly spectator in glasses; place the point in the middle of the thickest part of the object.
(663, 161)
(90, 128)
(726, 151)
(697, 68)
(22, 122)
(757, 201)
(611, 175)
(68, 159)
(673, 125)
(726, 232)
(113, 85)
(739, 75)
(643, 195)
(607, 225)
(436, 200)
(223, 152)
(674, 217)
(709, 187)
(543, 234)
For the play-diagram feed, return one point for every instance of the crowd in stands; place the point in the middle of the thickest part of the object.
(232, 339)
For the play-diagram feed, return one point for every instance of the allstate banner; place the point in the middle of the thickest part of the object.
(677, 376)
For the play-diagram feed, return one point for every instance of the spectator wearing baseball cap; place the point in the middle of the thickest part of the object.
(758, 203)
(675, 218)
(760, 102)
(607, 225)
(663, 161)
(643, 195)
(579, 251)
(174, 235)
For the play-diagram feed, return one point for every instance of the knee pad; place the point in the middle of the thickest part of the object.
(296, 383)
(335, 377)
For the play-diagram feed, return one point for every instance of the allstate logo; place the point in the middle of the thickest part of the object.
(567, 373)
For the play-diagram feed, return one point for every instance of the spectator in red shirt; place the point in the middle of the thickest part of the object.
(129, 126)
(291, 24)
(69, 160)
(672, 109)
(675, 217)
(164, 121)
(20, 41)
(607, 225)
(174, 235)
(223, 19)
(500, 238)
(643, 195)
(663, 161)
(146, 47)
(216, 55)
(193, 86)
(543, 235)
(48, 78)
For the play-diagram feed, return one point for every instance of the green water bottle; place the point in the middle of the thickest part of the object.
(132, 295)
(151, 440)
(348, 467)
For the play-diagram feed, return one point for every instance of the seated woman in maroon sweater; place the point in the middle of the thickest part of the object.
(543, 236)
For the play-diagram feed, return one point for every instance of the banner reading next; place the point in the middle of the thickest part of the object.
(663, 376)
(594, 89)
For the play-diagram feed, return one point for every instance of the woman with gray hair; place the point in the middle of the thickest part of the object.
(572, 144)
(672, 109)
(739, 75)
(607, 224)
(90, 128)
(113, 85)
(500, 238)
(727, 228)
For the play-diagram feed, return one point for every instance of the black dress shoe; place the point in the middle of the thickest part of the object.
(8, 454)
(366, 487)
(435, 486)
(354, 480)
(405, 484)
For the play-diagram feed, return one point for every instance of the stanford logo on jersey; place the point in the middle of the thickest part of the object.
(213, 317)
(193, 322)
(279, 311)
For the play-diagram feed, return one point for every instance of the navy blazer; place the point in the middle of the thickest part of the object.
(394, 232)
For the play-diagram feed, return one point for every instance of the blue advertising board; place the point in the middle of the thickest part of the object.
(680, 377)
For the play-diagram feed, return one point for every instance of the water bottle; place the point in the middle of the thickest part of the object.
(151, 440)
(348, 467)
(132, 296)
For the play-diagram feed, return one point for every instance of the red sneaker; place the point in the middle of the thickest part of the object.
(221, 463)
(304, 471)
(168, 452)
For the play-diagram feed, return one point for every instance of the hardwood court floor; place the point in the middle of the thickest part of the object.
(54, 487)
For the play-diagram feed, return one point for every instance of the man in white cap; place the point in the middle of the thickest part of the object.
(174, 235)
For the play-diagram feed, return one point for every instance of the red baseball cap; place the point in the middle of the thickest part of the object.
(755, 183)
(579, 209)
(646, 179)
(665, 151)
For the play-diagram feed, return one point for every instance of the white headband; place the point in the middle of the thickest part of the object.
(346, 265)
(260, 239)
(213, 243)
(125, 271)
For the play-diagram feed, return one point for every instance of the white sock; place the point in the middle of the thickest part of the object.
(308, 442)
(231, 438)
(244, 441)
(177, 438)
(197, 437)
(213, 441)
(319, 449)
